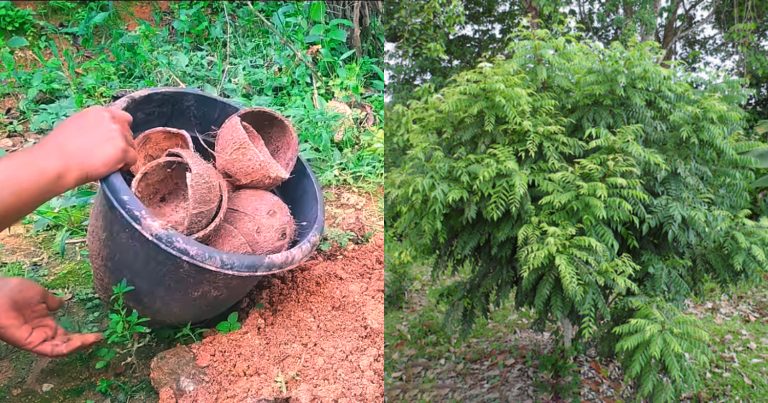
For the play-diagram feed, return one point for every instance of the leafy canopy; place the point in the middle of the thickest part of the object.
(598, 186)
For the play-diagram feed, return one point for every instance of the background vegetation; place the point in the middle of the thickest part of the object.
(584, 161)
(59, 57)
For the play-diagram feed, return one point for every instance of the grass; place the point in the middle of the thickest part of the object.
(737, 322)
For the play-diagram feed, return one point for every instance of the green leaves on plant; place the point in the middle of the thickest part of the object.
(17, 42)
(230, 325)
(124, 330)
(317, 11)
(337, 34)
(663, 349)
(594, 178)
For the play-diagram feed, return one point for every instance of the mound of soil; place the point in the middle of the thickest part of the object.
(315, 333)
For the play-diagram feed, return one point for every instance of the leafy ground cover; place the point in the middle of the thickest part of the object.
(59, 57)
(505, 358)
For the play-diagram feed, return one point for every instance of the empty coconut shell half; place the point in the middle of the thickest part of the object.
(257, 148)
(153, 143)
(257, 222)
(182, 190)
(204, 203)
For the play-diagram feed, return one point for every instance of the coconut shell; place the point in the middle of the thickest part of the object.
(161, 186)
(228, 239)
(257, 148)
(153, 143)
(205, 192)
(258, 217)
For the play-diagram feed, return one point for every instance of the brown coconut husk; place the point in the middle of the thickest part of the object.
(161, 185)
(205, 193)
(257, 148)
(229, 239)
(260, 218)
(153, 143)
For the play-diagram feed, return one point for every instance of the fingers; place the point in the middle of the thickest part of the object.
(75, 342)
(121, 116)
(130, 158)
(52, 302)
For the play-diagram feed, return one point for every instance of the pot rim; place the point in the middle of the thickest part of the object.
(119, 194)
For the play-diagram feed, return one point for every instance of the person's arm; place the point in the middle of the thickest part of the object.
(88, 146)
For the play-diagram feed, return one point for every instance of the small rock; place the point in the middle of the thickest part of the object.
(46, 387)
(176, 370)
(15, 391)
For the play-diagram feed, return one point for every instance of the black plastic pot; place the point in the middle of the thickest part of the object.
(178, 279)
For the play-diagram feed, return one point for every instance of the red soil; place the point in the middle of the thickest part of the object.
(319, 334)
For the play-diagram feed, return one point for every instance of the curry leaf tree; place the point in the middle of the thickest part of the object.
(594, 185)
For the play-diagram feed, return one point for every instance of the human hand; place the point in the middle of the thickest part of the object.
(91, 144)
(26, 321)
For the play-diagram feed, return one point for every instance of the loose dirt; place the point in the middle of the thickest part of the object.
(315, 333)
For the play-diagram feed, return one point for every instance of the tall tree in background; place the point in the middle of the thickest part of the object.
(435, 39)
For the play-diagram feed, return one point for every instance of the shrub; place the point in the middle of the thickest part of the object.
(593, 182)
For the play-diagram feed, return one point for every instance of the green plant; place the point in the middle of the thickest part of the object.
(125, 333)
(341, 238)
(189, 334)
(230, 325)
(577, 176)
(14, 19)
(663, 349)
(560, 376)
(760, 155)
(66, 214)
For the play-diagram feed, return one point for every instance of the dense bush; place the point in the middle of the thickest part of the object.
(595, 185)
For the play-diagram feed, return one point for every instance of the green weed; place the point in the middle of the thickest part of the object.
(189, 334)
(66, 215)
(125, 333)
(230, 325)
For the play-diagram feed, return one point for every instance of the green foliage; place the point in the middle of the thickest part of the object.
(336, 237)
(663, 349)
(420, 31)
(125, 332)
(230, 325)
(189, 334)
(14, 20)
(576, 175)
(398, 274)
(257, 54)
(559, 374)
(66, 215)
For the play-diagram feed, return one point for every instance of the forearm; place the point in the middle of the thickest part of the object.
(28, 178)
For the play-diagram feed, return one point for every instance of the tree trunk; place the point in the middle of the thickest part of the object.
(670, 33)
(356, 30)
(567, 329)
(533, 13)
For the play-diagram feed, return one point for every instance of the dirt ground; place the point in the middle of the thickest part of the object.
(315, 333)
